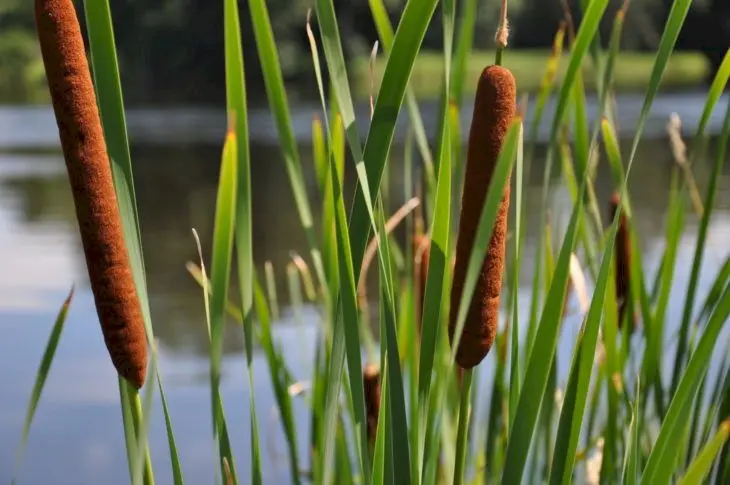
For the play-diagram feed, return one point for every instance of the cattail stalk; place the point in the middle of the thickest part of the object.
(622, 254)
(89, 171)
(494, 110)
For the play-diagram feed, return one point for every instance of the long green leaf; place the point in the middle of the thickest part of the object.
(237, 112)
(223, 236)
(279, 377)
(345, 338)
(342, 255)
(571, 417)
(464, 45)
(139, 474)
(723, 465)
(462, 436)
(588, 28)
(379, 474)
(385, 33)
(408, 38)
(177, 475)
(630, 474)
(436, 280)
(540, 359)
(111, 109)
(713, 295)
(661, 458)
(435, 289)
(398, 429)
(515, 373)
(718, 86)
(276, 94)
(41, 376)
(674, 23)
(700, 467)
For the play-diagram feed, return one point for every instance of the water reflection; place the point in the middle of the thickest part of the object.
(41, 257)
(176, 188)
(35, 127)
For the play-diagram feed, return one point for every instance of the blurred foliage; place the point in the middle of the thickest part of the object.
(171, 51)
(631, 73)
(21, 71)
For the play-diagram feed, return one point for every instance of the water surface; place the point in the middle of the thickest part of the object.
(77, 435)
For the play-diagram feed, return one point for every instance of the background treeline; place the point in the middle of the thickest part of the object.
(171, 50)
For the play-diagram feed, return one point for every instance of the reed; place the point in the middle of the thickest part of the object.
(494, 110)
(89, 172)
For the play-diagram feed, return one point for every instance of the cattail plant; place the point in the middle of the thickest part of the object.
(622, 260)
(89, 171)
(494, 109)
(371, 385)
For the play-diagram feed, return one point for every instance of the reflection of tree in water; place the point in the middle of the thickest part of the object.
(176, 190)
(41, 199)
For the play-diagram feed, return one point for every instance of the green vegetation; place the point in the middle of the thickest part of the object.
(172, 51)
(615, 418)
(685, 70)
(21, 76)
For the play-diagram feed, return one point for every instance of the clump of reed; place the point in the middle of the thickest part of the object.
(89, 172)
(494, 110)
(606, 416)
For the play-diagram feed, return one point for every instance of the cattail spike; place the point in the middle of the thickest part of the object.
(421, 250)
(623, 260)
(371, 385)
(494, 110)
(89, 171)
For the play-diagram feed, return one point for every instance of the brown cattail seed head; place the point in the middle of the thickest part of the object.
(87, 163)
(623, 261)
(371, 385)
(421, 250)
(494, 110)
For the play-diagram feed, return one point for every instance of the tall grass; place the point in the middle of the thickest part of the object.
(618, 418)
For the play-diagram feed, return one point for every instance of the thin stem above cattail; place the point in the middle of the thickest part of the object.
(89, 171)
(502, 35)
(494, 110)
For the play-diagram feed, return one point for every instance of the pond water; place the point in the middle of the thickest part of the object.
(77, 437)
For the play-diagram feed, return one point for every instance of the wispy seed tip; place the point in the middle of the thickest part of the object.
(502, 35)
